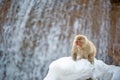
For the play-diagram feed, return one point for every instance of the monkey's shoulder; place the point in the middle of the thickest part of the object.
(91, 44)
(92, 47)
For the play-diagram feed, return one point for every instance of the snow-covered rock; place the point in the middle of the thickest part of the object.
(67, 69)
(105, 72)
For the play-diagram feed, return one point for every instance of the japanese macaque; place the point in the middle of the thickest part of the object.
(83, 48)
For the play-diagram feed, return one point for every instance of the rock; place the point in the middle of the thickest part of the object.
(67, 69)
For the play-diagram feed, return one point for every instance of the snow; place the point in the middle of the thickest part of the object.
(67, 69)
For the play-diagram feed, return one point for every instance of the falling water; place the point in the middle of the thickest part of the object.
(36, 32)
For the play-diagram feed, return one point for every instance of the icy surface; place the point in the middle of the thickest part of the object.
(67, 69)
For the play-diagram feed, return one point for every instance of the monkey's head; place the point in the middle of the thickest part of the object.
(80, 40)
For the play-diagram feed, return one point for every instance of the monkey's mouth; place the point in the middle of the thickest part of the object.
(78, 46)
(79, 43)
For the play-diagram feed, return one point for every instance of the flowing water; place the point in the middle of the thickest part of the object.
(33, 33)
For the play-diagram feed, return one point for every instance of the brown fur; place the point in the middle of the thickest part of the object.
(86, 50)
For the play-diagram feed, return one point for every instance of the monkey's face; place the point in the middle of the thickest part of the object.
(80, 40)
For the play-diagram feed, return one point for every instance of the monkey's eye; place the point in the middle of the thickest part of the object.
(79, 38)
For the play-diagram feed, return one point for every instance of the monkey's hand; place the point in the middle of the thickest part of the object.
(91, 58)
(74, 56)
(92, 62)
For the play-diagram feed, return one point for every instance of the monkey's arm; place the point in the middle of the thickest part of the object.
(92, 53)
(91, 58)
(74, 53)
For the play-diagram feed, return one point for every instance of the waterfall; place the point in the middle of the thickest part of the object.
(36, 32)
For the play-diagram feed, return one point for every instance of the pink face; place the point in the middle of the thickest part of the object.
(80, 40)
(78, 43)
